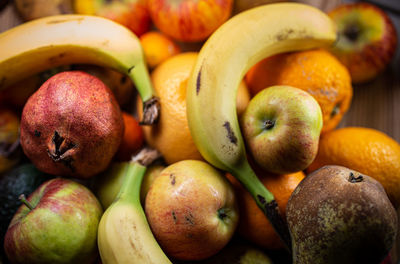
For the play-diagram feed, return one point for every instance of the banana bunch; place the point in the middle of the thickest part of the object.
(223, 60)
(124, 235)
(52, 41)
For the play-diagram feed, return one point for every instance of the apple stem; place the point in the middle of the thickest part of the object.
(268, 124)
(23, 199)
(222, 213)
(352, 32)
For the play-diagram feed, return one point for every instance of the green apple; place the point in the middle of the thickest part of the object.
(108, 183)
(56, 224)
(281, 127)
(192, 210)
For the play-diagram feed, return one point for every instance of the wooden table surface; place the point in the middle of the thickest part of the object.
(374, 105)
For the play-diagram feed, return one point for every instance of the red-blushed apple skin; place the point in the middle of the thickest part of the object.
(189, 20)
(81, 109)
(133, 14)
(366, 61)
(62, 227)
(292, 143)
(182, 209)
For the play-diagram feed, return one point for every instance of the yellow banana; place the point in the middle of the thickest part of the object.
(44, 43)
(124, 235)
(223, 60)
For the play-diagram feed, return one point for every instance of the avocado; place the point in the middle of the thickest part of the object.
(22, 179)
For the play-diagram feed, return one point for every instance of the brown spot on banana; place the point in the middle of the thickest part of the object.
(198, 80)
(230, 134)
(287, 33)
(57, 21)
(55, 59)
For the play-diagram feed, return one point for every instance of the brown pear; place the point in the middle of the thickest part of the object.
(71, 126)
(338, 215)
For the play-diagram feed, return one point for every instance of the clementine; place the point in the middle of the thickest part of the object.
(316, 71)
(253, 224)
(365, 150)
(132, 139)
(157, 47)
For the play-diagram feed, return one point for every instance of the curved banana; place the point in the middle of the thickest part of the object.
(223, 60)
(44, 43)
(124, 235)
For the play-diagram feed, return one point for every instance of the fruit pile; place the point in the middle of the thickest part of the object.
(150, 131)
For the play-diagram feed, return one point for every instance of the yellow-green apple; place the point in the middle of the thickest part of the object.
(56, 224)
(107, 184)
(189, 20)
(281, 127)
(367, 39)
(131, 13)
(192, 210)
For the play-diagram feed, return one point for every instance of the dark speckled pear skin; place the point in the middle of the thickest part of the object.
(337, 215)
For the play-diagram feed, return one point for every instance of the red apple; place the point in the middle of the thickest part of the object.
(131, 13)
(57, 224)
(281, 127)
(189, 20)
(367, 39)
(192, 210)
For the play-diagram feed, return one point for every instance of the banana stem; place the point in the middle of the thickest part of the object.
(151, 106)
(130, 188)
(265, 200)
(134, 172)
(139, 74)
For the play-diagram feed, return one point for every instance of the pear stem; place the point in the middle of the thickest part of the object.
(23, 199)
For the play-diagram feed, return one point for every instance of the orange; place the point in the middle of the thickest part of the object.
(132, 139)
(365, 150)
(316, 71)
(157, 47)
(171, 135)
(253, 224)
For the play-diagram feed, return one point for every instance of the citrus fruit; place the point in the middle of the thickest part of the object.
(243, 98)
(171, 135)
(10, 151)
(253, 224)
(157, 47)
(365, 150)
(132, 139)
(316, 71)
